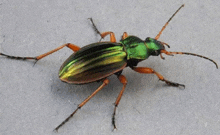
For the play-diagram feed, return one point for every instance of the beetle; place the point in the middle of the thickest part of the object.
(97, 61)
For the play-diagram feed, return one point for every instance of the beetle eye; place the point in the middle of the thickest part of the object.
(155, 53)
(147, 39)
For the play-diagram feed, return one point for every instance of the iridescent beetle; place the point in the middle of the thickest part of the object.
(97, 61)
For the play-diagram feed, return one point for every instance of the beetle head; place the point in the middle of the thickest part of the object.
(154, 46)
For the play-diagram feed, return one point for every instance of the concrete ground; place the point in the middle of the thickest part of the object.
(34, 100)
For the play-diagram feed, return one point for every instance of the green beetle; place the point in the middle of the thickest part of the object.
(97, 61)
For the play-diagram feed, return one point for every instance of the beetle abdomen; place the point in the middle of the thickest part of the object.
(93, 62)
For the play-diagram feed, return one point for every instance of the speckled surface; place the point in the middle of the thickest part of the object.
(34, 100)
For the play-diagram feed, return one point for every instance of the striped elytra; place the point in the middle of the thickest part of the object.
(93, 62)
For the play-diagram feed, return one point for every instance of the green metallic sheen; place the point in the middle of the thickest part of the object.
(93, 62)
(135, 48)
(153, 44)
(139, 49)
(100, 60)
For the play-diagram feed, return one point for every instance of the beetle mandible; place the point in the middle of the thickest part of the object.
(97, 61)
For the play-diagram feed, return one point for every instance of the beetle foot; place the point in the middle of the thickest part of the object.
(113, 121)
(114, 129)
(36, 60)
(174, 84)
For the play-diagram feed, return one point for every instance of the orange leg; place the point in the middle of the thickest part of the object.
(123, 80)
(69, 45)
(105, 82)
(147, 70)
(104, 34)
(112, 36)
(125, 35)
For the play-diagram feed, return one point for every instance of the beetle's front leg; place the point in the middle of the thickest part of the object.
(125, 35)
(147, 70)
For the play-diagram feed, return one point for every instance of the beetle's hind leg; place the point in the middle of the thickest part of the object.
(147, 70)
(105, 82)
(123, 80)
(103, 34)
(69, 45)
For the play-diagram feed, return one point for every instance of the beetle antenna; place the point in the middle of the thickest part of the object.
(171, 53)
(158, 35)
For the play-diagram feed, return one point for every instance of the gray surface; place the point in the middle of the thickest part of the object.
(34, 100)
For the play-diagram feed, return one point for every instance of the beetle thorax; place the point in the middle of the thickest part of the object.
(135, 48)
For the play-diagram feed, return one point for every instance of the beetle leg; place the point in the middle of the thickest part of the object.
(123, 80)
(95, 28)
(105, 82)
(112, 36)
(124, 35)
(147, 70)
(103, 34)
(69, 45)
